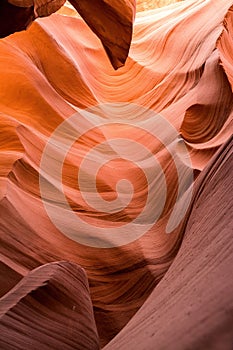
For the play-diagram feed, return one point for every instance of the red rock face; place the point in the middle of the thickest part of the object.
(33, 314)
(192, 306)
(72, 128)
(110, 17)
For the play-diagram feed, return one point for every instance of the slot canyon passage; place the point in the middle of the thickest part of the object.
(116, 158)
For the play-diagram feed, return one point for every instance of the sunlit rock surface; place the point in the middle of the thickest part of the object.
(180, 66)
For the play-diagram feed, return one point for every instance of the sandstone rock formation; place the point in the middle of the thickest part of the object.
(179, 67)
(110, 17)
(192, 307)
(49, 309)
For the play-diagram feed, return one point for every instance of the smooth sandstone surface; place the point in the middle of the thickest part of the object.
(192, 307)
(49, 307)
(180, 66)
(105, 18)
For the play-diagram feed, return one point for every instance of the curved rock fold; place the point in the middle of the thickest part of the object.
(162, 288)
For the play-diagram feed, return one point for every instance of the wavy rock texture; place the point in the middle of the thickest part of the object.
(49, 307)
(179, 65)
(152, 4)
(110, 17)
(225, 45)
(199, 283)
